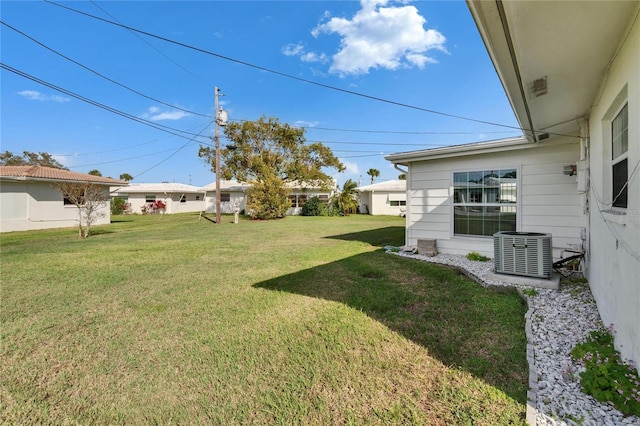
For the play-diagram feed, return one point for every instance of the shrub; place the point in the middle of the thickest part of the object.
(156, 207)
(314, 207)
(118, 205)
(474, 255)
(607, 377)
(268, 199)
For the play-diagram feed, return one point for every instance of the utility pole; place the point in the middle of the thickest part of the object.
(221, 120)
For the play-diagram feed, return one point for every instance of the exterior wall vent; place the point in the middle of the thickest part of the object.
(523, 253)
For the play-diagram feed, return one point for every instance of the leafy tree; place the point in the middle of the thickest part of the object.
(346, 201)
(29, 158)
(402, 176)
(268, 199)
(374, 173)
(270, 155)
(126, 177)
(88, 198)
(95, 172)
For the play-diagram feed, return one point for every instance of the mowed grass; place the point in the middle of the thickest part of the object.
(172, 320)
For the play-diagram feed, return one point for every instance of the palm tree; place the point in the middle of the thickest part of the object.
(402, 176)
(374, 173)
(347, 201)
(126, 177)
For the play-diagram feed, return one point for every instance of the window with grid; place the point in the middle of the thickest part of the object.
(619, 157)
(484, 202)
(225, 197)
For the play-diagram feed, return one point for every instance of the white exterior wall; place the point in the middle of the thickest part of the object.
(172, 200)
(26, 206)
(235, 198)
(614, 240)
(548, 200)
(189, 206)
(378, 203)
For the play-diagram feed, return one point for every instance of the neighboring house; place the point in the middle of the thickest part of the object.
(571, 71)
(383, 198)
(232, 194)
(301, 192)
(28, 200)
(178, 197)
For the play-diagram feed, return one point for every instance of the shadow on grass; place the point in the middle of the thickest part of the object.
(376, 237)
(459, 322)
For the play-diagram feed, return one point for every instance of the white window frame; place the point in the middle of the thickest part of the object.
(624, 156)
(484, 203)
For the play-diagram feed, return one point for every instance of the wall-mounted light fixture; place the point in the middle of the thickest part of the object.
(569, 170)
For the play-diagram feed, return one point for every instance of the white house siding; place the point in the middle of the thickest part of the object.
(381, 203)
(193, 203)
(226, 207)
(548, 200)
(614, 249)
(26, 206)
(138, 200)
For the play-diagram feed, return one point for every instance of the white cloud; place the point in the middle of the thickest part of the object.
(350, 168)
(292, 49)
(313, 57)
(302, 123)
(380, 36)
(297, 49)
(34, 95)
(154, 113)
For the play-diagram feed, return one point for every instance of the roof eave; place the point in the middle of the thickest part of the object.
(460, 150)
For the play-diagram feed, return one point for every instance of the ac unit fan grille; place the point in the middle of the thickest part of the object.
(526, 254)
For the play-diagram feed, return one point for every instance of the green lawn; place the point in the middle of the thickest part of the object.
(172, 320)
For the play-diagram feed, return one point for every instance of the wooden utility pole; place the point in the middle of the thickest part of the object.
(217, 142)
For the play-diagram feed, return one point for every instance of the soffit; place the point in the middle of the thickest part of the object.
(566, 44)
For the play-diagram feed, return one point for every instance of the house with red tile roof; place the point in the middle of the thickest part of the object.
(28, 199)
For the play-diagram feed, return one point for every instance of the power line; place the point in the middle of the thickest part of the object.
(304, 80)
(398, 132)
(99, 74)
(154, 48)
(79, 154)
(174, 153)
(156, 126)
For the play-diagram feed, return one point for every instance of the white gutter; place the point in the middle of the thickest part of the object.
(461, 150)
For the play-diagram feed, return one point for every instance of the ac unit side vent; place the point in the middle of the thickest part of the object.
(523, 253)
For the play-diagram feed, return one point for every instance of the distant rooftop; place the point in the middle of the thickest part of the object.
(53, 174)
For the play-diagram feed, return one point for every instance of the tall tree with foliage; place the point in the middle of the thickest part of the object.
(29, 158)
(402, 176)
(374, 173)
(347, 200)
(95, 172)
(88, 198)
(270, 155)
(126, 177)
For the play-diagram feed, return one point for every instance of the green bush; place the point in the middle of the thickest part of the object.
(268, 199)
(607, 377)
(474, 255)
(118, 205)
(314, 207)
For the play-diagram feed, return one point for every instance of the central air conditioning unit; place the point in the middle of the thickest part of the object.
(523, 253)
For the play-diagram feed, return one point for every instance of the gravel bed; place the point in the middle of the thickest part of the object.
(556, 321)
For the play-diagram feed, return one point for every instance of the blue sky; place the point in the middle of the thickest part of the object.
(416, 55)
